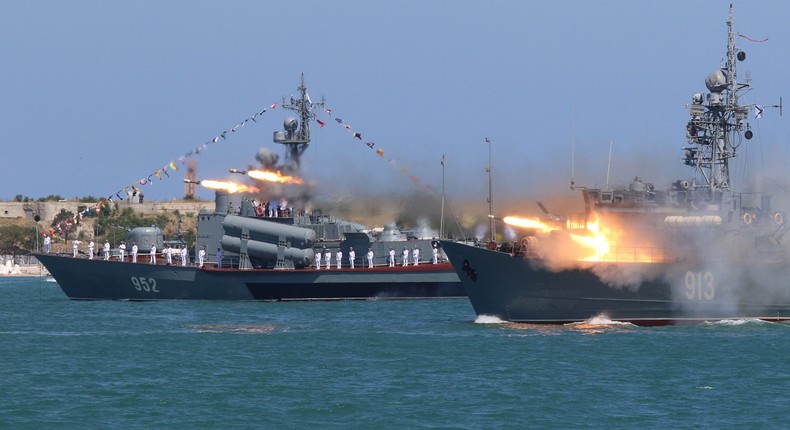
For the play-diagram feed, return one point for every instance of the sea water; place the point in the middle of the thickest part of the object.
(371, 364)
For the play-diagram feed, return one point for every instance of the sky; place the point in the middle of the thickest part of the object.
(97, 95)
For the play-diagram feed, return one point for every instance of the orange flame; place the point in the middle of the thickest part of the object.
(598, 241)
(273, 176)
(228, 186)
(528, 223)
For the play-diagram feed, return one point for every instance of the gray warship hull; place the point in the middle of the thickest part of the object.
(518, 289)
(84, 279)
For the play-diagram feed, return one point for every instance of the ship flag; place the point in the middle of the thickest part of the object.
(758, 111)
(321, 123)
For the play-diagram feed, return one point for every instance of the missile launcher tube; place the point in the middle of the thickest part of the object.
(268, 232)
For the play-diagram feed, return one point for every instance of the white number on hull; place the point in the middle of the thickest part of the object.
(699, 286)
(144, 284)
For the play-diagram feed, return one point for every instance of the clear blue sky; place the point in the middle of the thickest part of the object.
(99, 94)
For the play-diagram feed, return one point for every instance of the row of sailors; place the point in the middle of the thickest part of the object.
(167, 253)
(274, 210)
(352, 256)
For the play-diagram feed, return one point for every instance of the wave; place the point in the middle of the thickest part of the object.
(488, 319)
(233, 328)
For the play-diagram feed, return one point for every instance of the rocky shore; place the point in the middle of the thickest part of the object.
(11, 269)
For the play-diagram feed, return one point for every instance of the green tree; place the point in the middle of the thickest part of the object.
(17, 239)
(50, 198)
(62, 218)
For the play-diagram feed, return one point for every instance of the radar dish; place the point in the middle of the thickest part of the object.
(290, 123)
(716, 81)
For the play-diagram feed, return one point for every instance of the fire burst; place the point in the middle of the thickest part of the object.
(273, 176)
(528, 223)
(597, 241)
(228, 186)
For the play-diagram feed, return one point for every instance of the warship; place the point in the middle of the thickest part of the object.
(693, 251)
(264, 252)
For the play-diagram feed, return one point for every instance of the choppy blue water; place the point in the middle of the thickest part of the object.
(375, 364)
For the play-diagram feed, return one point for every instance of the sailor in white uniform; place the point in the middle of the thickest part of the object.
(134, 252)
(122, 251)
(435, 252)
(106, 250)
(318, 259)
(75, 246)
(416, 255)
(405, 256)
(91, 245)
(328, 259)
(153, 255)
(370, 258)
(392, 258)
(351, 256)
(201, 256)
(339, 256)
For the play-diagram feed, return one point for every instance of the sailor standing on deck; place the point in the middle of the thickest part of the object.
(201, 256)
(153, 254)
(75, 246)
(122, 251)
(339, 256)
(134, 252)
(435, 252)
(416, 255)
(47, 241)
(184, 255)
(405, 256)
(106, 250)
(91, 245)
(392, 257)
(317, 259)
(169, 255)
(328, 258)
(351, 256)
(370, 258)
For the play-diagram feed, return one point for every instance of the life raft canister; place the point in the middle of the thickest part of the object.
(778, 218)
(748, 218)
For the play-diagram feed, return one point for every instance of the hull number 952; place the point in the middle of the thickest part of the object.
(144, 284)
(699, 286)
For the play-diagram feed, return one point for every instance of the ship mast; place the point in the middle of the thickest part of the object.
(296, 136)
(717, 120)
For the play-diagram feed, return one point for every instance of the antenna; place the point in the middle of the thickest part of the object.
(441, 219)
(573, 157)
(491, 226)
(609, 165)
(297, 139)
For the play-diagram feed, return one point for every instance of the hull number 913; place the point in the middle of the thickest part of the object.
(699, 286)
(144, 284)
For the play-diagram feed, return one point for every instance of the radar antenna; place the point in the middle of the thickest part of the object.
(296, 136)
(717, 120)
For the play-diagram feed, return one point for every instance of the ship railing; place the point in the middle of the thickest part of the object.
(628, 254)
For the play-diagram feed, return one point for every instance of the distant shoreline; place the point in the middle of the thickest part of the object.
(34, 270)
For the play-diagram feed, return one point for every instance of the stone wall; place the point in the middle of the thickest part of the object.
(48, 210)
